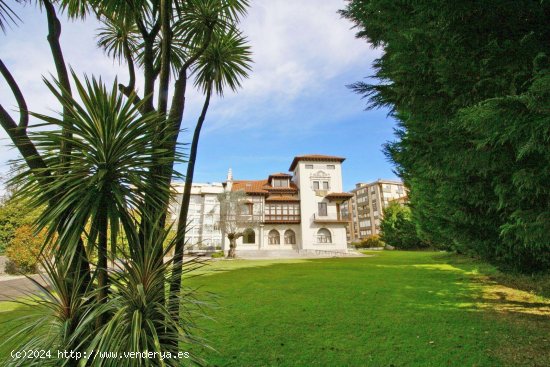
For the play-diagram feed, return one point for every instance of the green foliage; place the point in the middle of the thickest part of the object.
(397, 228)
(13, 214)
(371, 241)
(24, 249)
(107, 176)
(468, 83)
(217, 255)
(100, 173)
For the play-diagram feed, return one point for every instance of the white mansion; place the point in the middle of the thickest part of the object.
(297, 211)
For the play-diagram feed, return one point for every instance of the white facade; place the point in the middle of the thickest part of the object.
(203, 215)
(299, 211)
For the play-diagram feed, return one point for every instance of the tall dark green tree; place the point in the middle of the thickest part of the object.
(468, 84)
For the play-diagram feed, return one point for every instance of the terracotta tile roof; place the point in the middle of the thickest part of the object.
(314, 158)
(261, 187)
(250, 186)
(284, 198)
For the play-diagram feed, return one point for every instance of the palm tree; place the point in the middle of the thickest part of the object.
(107, 176)
(107, 160)
(223, 64)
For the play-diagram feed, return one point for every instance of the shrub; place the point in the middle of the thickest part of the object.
(397, 228)
(372, 241)
(24, 249)
(13, 214)
(217, 255)
(369, 242)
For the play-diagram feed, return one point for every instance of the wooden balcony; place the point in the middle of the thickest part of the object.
(282, 218)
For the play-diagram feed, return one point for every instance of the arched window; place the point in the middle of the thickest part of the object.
(249, 236)
(323, 236)
(274, 237)
(290, 237)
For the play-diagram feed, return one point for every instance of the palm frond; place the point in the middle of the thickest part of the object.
(7, 15)
(224, 63)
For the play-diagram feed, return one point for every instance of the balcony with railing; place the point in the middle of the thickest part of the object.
(340, 218)
(282, 218)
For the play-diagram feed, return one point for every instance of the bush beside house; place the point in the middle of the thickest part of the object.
(397, 228)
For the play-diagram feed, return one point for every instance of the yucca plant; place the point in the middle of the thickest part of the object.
(141, 318)
(58, 318)
(103, 186)
(104, 166)
(105, 178)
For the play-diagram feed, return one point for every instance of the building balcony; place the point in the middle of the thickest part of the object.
(282, 218)
(331, 218)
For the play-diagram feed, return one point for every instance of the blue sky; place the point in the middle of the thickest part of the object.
(295, 101)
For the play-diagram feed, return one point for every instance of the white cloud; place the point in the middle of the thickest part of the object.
(297, 47)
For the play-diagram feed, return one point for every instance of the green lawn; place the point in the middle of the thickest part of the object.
(393, 309)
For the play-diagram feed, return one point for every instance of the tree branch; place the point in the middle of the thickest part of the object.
(178, 99)
(129, 90)
(165, 13)
(22, 142)
(54, 32)
(23, 111)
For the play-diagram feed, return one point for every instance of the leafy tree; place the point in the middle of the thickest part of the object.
(397, 228)
(468, 83)
(13, 214)
(24, 249)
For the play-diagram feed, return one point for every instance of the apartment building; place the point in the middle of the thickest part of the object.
(203, 216)
(296, 211)
(367, 204)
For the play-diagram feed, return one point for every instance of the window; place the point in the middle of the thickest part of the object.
(324, 236)
(315, 185)
(331, 166)
(280, 182)
(274, 237)
(249, 236)
(325, 185)
(249, 208)
(309, 166)
(290, 237)
(374, 206)
(322, 209)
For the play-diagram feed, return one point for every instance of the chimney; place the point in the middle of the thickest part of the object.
(230, 175)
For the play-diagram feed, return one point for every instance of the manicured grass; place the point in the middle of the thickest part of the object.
(394, 309)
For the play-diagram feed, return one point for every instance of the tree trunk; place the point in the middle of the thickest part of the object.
(102, 276)
(232, 248)
(175, 283)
